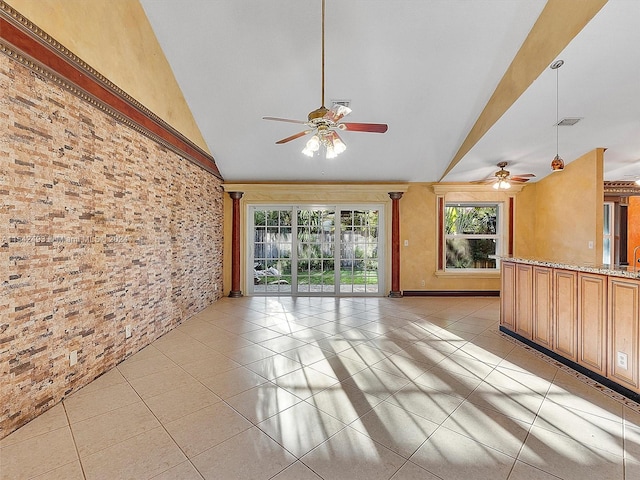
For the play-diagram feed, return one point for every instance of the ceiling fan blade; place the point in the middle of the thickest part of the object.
(284, 120)
(485, 181)
(525, 175)
(365, 127)
(337, 112)
(519, 179)
(293, 137)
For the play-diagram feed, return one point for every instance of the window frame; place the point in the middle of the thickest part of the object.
(499, 236)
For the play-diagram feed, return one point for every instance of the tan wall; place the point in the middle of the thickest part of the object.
(418, 225)
(525, 222)
(293, 194)
(100, 228)
(566, 208)
(115, 38)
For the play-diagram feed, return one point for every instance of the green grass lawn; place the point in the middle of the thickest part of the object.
(347, 277)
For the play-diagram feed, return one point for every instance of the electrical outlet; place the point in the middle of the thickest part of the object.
(406, 243)
(590, 244)
(422, 283)
(622, 360)
(127, 331)
(73, 357)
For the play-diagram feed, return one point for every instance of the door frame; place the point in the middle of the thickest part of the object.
(337, 207)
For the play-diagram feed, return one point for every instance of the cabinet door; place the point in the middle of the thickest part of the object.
(623, 331)
(592, 321)
(507, 296)
(543, 306)
(565, 316)
(524, 300)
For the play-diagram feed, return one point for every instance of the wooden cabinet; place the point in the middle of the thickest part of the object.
(543, 306)
(623, 331)
(592, 321)
(565, 315)
(524, 300)
(507, 296)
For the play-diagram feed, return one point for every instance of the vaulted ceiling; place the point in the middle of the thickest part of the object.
(462, 84)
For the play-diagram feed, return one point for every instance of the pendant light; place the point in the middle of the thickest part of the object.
(557, 164)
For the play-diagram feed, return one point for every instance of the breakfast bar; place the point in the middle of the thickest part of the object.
(586, 317)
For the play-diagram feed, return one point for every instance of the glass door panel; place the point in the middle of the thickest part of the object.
(315, 251)
(272, 249)
(359, 251)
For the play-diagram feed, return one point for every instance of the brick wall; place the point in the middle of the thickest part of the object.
(100, 228)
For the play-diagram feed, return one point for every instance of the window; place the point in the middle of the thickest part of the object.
(472, 236)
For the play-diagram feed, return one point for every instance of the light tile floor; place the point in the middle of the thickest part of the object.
(325, 388)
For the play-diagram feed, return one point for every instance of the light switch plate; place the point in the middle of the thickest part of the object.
(73, 357)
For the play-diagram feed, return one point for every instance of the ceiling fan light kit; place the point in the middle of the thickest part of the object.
(557, 164)
(502, 176)
(324, 123)
(502, 179)
(502, 185)
(331, 141)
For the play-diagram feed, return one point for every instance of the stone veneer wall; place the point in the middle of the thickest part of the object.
(100, 228)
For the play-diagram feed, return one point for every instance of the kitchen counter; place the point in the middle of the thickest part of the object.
(616, 271)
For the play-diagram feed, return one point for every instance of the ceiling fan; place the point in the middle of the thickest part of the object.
(324, 123)
(502, 179)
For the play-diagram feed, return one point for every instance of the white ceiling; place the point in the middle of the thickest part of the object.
(425, 67)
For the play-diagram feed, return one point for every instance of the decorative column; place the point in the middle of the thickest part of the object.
(395, 244)
(235, 246)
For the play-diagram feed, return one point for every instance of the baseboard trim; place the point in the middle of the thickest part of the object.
(451, 293)
(616, 387)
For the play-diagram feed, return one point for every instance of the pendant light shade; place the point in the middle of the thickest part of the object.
(557, 164)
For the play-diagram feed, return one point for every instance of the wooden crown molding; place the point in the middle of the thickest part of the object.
(622, 188)
(443, 188)
(316, 192)
(32, 47)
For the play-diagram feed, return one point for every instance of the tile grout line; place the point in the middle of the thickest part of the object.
(386, 354)
(161, 423)
(73, 437)
(222, 400)
(621, 399)
(524, 441)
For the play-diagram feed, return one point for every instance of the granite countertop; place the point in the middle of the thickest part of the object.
(614, 271)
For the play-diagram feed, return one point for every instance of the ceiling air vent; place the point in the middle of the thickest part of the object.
(568, 122)
(344, 103)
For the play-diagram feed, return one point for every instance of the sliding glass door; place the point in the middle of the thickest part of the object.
(310, 250)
